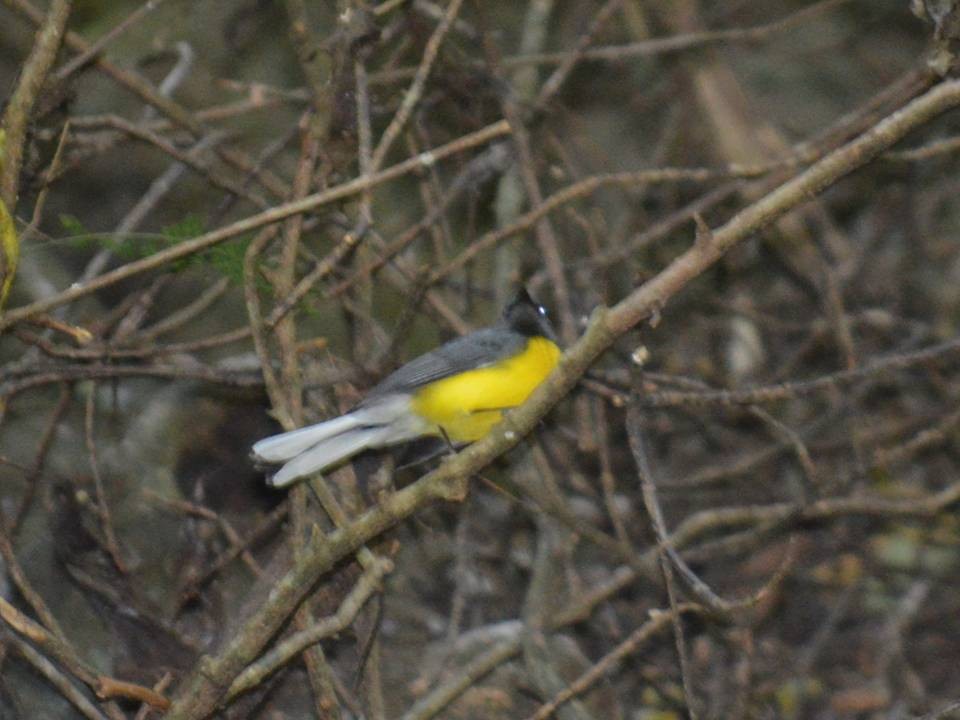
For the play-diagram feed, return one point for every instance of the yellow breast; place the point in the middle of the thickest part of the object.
(468, 405)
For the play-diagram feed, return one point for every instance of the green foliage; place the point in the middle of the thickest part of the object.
(226, 259)
(189, 227)
(72, 226)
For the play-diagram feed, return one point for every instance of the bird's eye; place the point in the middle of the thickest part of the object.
(542, 310)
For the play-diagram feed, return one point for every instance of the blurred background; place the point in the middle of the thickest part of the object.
(134, 518)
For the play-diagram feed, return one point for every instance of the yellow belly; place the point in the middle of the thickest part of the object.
(468, 405)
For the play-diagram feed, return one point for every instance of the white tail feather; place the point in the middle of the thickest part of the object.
(317, 447)
(330, 452)
(283, 447)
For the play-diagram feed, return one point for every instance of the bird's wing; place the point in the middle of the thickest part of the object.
(480, 348)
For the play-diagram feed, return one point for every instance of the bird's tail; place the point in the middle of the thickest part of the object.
(286, 446)
(331, 451)
(317, 447)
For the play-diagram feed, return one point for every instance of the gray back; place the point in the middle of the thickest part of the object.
(480, 348)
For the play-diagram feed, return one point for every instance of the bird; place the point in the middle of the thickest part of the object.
(457, 392)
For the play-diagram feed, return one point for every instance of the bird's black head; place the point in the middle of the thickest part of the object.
(526, 316)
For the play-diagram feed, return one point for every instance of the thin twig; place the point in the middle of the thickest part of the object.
(35, 473)
(788, 390)
(658, 621)
(56, 678)
(69, 68)
(275, 214)
(655, 513)
(413, 93)
(292, 646)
